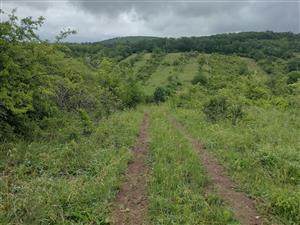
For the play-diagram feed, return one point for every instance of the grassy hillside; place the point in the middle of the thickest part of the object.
(70, 115)
(162, 69)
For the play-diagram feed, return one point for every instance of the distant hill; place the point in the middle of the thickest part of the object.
(128, 39)
(256, 45)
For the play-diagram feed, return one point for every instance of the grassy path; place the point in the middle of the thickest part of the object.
(170, 185)
(131, 203)
(178, 183)
(241, 205)
(260, 154)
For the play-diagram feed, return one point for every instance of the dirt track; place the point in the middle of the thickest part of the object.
(131, 204)
(241, 205)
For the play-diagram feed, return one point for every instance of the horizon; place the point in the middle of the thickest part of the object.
(99, 20)
(142, 36)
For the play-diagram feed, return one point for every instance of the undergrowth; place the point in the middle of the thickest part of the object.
(62, 181)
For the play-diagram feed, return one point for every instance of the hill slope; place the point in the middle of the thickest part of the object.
(161, 69)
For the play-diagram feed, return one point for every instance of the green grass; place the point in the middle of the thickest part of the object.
(261, 154)
(180, 65)
(177, 191)
(70, 182)
(68, 177)
(141, 62)
(186, 65)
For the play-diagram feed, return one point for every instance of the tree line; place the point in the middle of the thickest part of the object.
(257, 45)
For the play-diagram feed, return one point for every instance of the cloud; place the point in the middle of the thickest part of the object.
(105, 19)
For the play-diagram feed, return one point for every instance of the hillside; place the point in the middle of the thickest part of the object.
(154, 70)
(256, 45)
(152, 131)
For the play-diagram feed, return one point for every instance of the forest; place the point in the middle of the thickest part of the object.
(195, 115)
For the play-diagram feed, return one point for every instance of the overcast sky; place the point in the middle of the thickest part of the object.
(101, 19)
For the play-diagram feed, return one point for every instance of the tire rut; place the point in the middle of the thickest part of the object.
(131, 204)
(241, 205)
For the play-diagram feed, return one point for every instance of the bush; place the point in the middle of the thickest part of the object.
(86, 122)
(243, 70)
(293, 77)
(200, 79)
(293, 64)
(160, 95)
(216, 108)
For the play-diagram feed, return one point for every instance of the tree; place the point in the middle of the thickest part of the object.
(18, 68)
(293, 64)
(30, 71)
(64, 34)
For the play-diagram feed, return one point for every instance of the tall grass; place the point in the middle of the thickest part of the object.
(261, 153)
(70, 182)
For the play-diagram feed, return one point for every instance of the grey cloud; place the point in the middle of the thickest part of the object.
(34, 5)
(100, 20)
(147, 9)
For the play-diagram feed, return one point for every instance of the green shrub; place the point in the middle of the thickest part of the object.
(293, 64)
(243, 70)
(293, 77)
(216, 108)
(86, 122)
(160, 95)
(200, 79)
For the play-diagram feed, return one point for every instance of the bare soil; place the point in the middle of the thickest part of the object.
(241, 205)
(130, 206)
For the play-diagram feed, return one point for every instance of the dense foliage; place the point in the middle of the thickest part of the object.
(257, 45)
(40, 80)
(63, 144)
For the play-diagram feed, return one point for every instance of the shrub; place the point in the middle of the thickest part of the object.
(293, 77)
(160, 95)
(86, 122)
(294, 64)
(243, 69)
(216, 108)
(200, 79)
